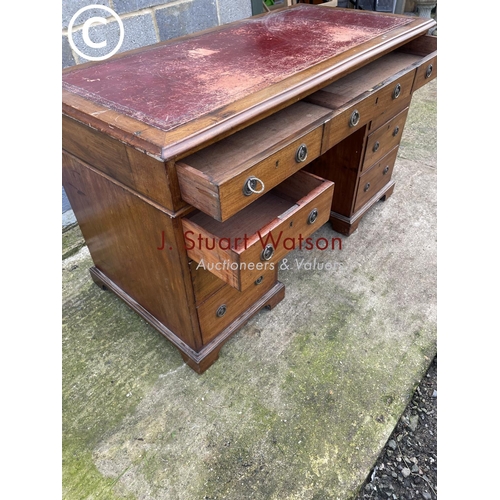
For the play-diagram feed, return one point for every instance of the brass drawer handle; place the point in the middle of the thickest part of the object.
(312, 216)
(267, 253)
(221, 311)
(397, 91)
(428, 72)
(386, 169)
(355, 117)
(376, 146)
(259, 280)
(396, 131)
(301, 154)
(367, 186)
(250, 186)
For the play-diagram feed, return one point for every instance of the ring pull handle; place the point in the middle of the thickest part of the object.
(397, 91)
(354, 119)
(312, 216)
(376, 146)
(367, 186)
(251, 184)
(221, 311)
(386, 169)
(396, 131)
(267, 253)
(428, 72)
(301, 153)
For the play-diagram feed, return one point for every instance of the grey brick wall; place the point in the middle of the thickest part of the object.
(182, 19)
(71, 7)
(144, 22)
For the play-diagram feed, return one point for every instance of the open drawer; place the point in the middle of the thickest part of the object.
(377, 91)
(424, 50)
(260, 235)
(231, 174)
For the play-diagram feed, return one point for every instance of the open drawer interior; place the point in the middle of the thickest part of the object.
(387, 68)
(376, 92)
(229, 175)
(257, 237)
(424, 49)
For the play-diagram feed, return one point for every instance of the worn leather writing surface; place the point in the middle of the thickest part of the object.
(172, 84)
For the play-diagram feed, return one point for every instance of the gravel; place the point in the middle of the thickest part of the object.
(407, 467)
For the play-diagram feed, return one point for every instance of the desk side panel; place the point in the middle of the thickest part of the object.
(157, 180)
(136, 245)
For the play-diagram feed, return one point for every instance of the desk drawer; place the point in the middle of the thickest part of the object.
(259, 236)
(220, 309)
(384, 139)
(229, 175)
(386, 101)
(375, 179)
(376, 91)
(426, 72)
(426, 48)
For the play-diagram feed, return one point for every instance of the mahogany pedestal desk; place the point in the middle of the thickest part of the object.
(193, 166)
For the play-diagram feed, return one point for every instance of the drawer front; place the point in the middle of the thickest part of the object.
(393, 97)
(237, 194)
(384, 139)
(375, 179)
(383, 118)
(259, 236)
(219, 310)
(426, 72)
(377, 104)
(229, 175)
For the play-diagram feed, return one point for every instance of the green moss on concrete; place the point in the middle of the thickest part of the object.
(81, 478)
(106, 371)
(337, 397)
(72, 242)
(343, 388)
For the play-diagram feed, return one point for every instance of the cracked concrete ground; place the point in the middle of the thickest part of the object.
(303, 397)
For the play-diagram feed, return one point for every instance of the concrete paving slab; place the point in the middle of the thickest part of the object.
(302, 399)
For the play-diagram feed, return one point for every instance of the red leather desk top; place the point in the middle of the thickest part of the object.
(172, 84)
